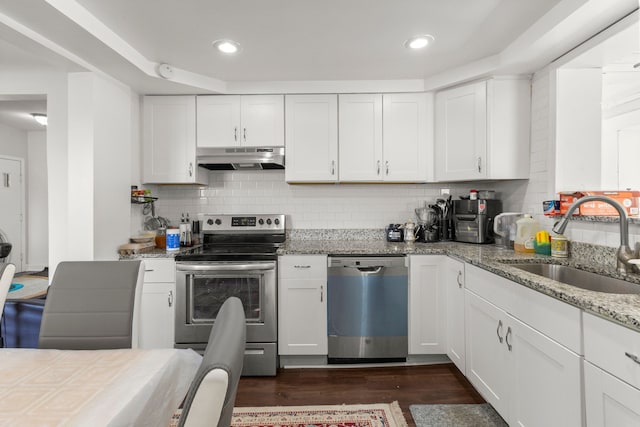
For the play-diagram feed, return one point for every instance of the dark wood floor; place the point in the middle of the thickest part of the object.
(406, 384)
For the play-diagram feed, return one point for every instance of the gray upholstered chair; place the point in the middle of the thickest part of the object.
(6, 276)
(93, 305)
(212, 394)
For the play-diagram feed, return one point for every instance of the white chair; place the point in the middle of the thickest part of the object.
(212, 394)
(93, 305)
(6, 276)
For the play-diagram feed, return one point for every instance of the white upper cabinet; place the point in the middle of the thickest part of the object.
(360, 137)
(311, 131)
(169, 141)
(482, 130)
(383, 137)
(241, 121)
(408, 136)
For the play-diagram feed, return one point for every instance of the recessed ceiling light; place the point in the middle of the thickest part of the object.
(418, 42)
(40, 118)
(227, 46)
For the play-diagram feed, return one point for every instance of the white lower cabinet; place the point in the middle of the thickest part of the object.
(612, 373)
(530, 379)
(427, 304)
(302, 305)
(157, 317)
(454, 292)
(609, 401)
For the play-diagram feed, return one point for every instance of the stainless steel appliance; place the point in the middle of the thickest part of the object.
(242, 158)
(367, 309)
(473, 220)
(238, 258)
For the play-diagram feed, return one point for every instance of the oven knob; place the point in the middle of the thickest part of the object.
(218, 222)
(268, 222)
(261, 221)
(276, 221)
(210, 221)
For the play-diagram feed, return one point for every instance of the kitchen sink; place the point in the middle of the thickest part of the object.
(580, 278)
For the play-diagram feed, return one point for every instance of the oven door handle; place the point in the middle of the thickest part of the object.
(226, 267)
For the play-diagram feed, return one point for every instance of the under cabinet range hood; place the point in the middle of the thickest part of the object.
(245, 158)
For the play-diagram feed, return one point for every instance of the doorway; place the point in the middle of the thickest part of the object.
(11, 208)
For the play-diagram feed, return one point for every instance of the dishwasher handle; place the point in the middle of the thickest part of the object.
(369, 271)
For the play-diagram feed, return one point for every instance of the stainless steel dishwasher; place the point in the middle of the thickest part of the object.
(367, 309)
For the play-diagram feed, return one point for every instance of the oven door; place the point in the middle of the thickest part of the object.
(202, 287)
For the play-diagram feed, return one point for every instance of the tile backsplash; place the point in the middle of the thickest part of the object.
(349, 206)
(315, 206)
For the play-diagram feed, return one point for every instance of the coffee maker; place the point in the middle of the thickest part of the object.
(473, 220)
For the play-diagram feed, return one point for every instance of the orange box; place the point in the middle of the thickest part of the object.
(566, 200)
(628, 199)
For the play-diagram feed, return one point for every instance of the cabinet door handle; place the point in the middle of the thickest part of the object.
(479, 164)
(499, 330)
(386, 165)
(6, 179)
(632, 357)
(170, 299)
(333, 167)
(321, 293)
(190, 169)
(235, 133)
(458, 279)
(506, 338)
(301, 266)
(244, 134)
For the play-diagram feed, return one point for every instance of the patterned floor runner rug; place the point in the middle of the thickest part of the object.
(370, 415)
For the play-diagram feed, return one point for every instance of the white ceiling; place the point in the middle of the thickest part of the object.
(295, 42)
(317, 40)
(17, 113)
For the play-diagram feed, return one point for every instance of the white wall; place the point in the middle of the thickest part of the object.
(578, 129)
(541, 185)
(37, 202)
(100, 172)
(13, 142)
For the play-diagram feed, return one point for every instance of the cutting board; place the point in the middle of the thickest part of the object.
(135, 248)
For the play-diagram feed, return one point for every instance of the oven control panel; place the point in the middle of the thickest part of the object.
(243, 223)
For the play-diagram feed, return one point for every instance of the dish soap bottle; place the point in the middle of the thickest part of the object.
(526, 229)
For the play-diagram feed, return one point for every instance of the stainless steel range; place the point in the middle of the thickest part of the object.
(238, 258)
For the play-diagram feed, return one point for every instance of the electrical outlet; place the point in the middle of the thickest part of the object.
(444, 191)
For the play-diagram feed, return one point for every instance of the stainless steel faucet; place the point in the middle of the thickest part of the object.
(625, 253)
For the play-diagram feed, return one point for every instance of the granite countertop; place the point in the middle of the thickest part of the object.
(620, 308)
(161, 253)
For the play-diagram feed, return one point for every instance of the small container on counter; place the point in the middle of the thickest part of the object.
(173, 239)
(473, 194)
(161, 238)
(559, 246)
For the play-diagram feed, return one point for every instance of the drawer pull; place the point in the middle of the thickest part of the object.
(148, 270)
(632, 357)
(301, 266)
(499, 330)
